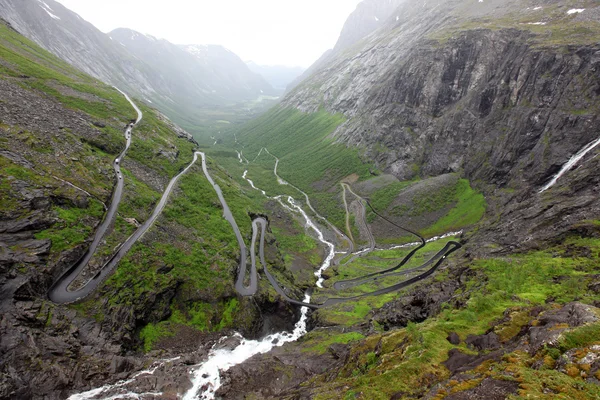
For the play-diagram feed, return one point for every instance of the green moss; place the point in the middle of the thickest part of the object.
(581, 337)
(73, 227)
(152, 333)
(204, 317)
(409, 359)
(328, 340)
(469, 209)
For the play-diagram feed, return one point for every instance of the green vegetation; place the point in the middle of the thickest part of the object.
(185, 259)
(325, 339)
(201, 316)
(310, 157)
(382, 198)
(500, 297)
(74, 227)
(469, 209)
(558, 28)
(300, 243)
(351, 313)
(465, 206)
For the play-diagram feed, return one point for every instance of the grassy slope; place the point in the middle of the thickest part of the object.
(192, 243)
(310, 158)
(408, 360)
(558, 28)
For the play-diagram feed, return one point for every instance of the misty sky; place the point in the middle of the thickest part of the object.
(269, 32)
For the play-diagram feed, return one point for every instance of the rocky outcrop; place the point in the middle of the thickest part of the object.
(417, 305)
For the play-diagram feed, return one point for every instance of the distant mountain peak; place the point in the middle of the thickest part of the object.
(181, 80)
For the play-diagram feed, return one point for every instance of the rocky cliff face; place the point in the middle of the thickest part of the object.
(503, 93)
(453, 86)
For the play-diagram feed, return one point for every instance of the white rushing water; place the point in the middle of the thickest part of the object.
(294, 207)
(433, 239)
(571, 163)
(310, 224)
(119, 391)
(207, 378)
(252, 184)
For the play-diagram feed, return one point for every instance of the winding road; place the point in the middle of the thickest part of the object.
(282, 181)
(246, 283)
(59, 292)
(260, 224)
(348, 228)
(362, 221)
(242, 268)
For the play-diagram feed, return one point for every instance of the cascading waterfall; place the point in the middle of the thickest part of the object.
(310, 224)
(571, 163)
(119, 391)
(207, 377)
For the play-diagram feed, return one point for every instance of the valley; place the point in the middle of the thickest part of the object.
(417, 216)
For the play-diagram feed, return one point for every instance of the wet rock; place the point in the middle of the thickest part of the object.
(489, 341)
(339, 351)
(453, 338)
(417, 306)
(573, 314)
(34, 222)
(270, 375)
(122, 364)
(554, 322)
(460, 362)
(228, 343)
(489, 389)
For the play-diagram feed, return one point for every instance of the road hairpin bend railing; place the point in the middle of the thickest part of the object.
(434, 262)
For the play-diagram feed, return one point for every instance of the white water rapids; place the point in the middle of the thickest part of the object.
(119, 387)
(207, 377)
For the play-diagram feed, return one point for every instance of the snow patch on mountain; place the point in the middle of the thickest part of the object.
(48, 9)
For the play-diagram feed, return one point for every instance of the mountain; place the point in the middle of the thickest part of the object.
(62, 137)
(188, 88)
(278, 76)
(431, 188)
(427, 94)
(448, 116)
(367, 18)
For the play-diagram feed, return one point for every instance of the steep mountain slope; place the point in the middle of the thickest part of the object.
(60, 132)
(455, 86)
(496, 93)
(189, 92)
(203, 75)
(367, 18)
(231, 75)
(64, 33)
